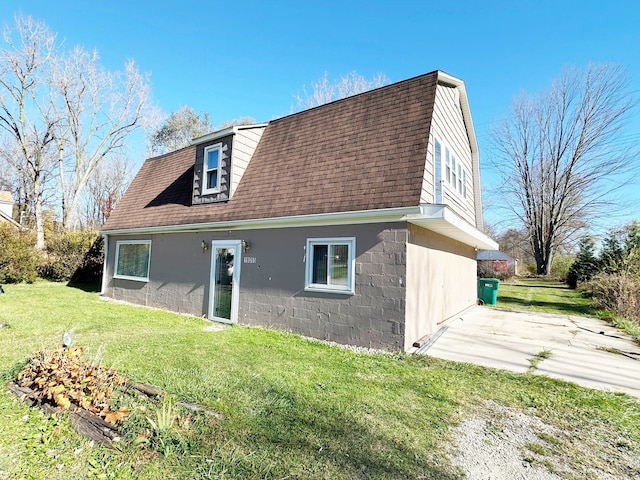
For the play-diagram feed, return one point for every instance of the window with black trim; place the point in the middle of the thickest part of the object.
(132, 260)
(330, 265)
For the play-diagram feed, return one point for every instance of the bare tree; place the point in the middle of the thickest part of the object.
(560, 156)
(98, 110)
(325, 90)
(104, 190)
(25, 119)
(61, 110)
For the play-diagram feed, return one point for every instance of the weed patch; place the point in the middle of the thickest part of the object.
(536, 359)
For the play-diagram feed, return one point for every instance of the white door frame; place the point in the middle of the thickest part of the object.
(235, 279)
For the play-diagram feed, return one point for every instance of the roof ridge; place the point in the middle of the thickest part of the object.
(366, 92)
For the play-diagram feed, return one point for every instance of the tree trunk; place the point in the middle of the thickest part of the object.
(37, 204)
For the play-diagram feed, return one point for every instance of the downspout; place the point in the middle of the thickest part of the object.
(104, 264)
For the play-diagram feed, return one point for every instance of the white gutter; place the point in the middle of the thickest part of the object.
(103, 286)
(225, 132)
(441, 219)
(334, 218)
(438, 218)
(12, 221)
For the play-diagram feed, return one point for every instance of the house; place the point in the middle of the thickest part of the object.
(495, 263)
(357, 221)
(6, 209)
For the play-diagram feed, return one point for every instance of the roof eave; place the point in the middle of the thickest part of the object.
(232, 130)
(437, 218)
(444, 221)
(333, 218)
(11, 221)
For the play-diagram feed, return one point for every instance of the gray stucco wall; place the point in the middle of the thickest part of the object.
(272, 289)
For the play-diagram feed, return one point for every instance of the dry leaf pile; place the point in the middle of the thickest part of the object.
(61, 377)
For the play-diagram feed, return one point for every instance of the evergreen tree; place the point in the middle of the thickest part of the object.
(585, 265)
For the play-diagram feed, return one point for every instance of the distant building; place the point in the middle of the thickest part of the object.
(497, 262)
(6, 208)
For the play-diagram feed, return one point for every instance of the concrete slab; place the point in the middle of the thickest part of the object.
(586, 351)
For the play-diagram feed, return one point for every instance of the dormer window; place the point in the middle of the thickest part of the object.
(212, 156)
(220, 161)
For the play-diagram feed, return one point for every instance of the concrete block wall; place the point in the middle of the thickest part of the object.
(272, 290)
(272, 283)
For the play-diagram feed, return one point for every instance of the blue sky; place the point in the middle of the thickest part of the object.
(235, 59)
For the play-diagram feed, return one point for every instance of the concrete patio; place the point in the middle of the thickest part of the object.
(586, 351)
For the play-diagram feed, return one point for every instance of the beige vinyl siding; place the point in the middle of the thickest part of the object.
(427, 195)
(441, 282)
(245, 142)
(447, 125)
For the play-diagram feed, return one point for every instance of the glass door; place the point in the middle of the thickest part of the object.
(225, 275)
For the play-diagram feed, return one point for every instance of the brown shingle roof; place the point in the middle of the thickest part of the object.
(364, 152)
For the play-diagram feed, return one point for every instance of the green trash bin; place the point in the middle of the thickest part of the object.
(488, 290)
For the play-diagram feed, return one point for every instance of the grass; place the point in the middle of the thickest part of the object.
(291, 407)
(536, 359)
(541, 295)
(548, 296)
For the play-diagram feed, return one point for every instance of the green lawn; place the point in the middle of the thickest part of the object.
(292, 407)
(541, 295)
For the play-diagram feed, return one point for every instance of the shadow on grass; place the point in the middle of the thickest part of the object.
(560, 286)
(93, 287)
(319, 440)
(520, 304)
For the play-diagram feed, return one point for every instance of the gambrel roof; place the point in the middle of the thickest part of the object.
(364, 153)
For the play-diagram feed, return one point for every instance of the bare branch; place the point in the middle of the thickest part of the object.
(560, 156)
(325, 90)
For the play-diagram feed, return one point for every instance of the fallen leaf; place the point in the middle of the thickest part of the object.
(62, 401)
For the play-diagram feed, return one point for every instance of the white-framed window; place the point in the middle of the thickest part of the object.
(132, 260)
(455, 175)
(212, 170)
(331, 265)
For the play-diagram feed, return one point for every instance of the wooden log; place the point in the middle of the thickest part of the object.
(146, 389)
(199, 408)
(87, 424)
(24, 394)
(94, 427)
(84, 422)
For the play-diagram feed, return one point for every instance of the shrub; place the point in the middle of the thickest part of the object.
(90, 270)
(560, 266)
(619, 293)
(18, 255)
(67, 253)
